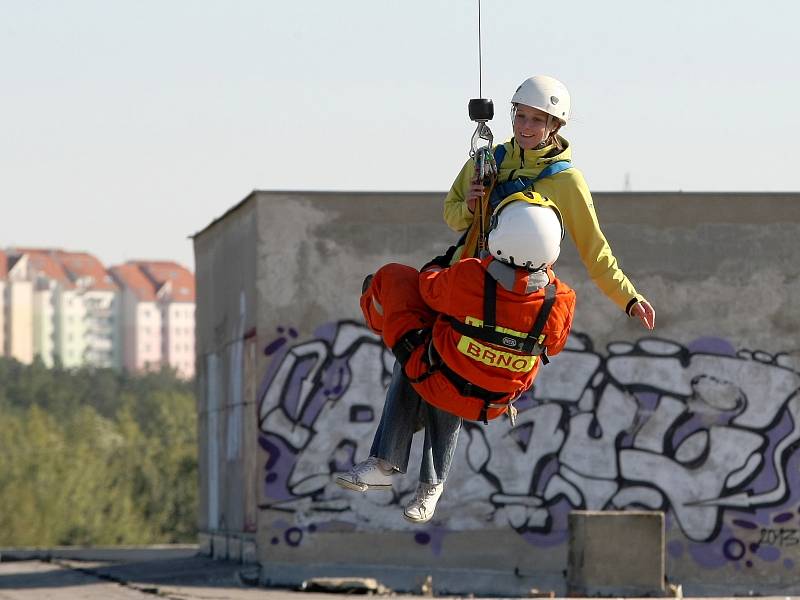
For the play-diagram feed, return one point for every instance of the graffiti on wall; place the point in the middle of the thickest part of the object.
(704, 432)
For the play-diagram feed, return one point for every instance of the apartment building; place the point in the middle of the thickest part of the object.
(157, 308)
(55, 301)
(175, 295)
(140, 319)
(99, 304)
(67, 308)
(17, 309)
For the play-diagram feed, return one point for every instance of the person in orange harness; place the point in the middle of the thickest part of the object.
(469, 337)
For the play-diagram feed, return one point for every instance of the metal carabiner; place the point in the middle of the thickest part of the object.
(482, 132)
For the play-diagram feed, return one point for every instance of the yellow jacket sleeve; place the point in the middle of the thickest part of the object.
(569, 191)
(456, 214)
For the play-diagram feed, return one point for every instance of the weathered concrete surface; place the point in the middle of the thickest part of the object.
(616, 552)
(226, 425)
(101, 553)
(177, 579)
(194, 578)
(34, 580)
(699, 419)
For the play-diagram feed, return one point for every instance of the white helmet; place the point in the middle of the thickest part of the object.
(545, 93)
(526, 231)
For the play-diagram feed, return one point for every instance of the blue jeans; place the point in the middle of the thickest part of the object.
(404, 413)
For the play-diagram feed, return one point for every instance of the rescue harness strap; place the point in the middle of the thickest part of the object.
(466, 388)
(528, 345)
(416, 338)
(498, 192)
(519, 184)
(406, 345)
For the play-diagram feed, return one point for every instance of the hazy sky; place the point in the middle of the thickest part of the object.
(128, 125)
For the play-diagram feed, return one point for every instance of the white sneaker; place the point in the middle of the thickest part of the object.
(371, 474)
(421, 507)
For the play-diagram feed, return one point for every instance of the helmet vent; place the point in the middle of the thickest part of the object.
(554, 99)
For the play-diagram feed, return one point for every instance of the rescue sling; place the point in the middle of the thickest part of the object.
(529, 345)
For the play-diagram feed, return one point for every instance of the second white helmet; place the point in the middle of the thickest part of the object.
(526, 231)
(545, 93)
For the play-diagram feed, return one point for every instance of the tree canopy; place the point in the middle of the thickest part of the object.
(96, 457)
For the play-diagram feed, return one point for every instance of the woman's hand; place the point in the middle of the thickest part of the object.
(474, 195)
(645, 312)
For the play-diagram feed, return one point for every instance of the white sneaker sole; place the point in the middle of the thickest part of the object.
(415, 519)
(360, 487)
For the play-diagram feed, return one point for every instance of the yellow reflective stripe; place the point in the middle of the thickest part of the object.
(476, 322)
(494, 357)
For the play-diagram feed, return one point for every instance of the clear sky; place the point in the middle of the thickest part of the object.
(128, 125)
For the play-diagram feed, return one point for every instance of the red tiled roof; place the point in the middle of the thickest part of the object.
(81, 265)
(43, 261)
(170, 278)
(3, 265)
(130, 277)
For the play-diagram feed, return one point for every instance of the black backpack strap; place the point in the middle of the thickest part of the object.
(541, 320)
(487, 332)
(503, 340)
(406, 345)
(466, 388)
(410, 341)
(489, 302)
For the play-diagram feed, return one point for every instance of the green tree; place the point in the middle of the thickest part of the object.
(90, 456)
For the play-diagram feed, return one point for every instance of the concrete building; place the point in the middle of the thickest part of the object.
(59, 328)
(157, 308)
(73, 302)
(175, 293)
(699, 419)
(66, 307)
(99, 301)
(18, 317)
(45, 321)
(140, 323)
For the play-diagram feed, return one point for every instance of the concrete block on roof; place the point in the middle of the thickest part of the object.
(204, 544)
(616, 553)
(235, 548)
(249, 551)
(220, 547)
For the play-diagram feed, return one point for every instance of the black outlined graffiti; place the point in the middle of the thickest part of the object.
(308, 394)
(699, 431)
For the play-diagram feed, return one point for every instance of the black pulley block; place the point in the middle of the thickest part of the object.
(481, 109)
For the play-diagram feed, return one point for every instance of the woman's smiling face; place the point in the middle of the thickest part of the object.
(530, 126)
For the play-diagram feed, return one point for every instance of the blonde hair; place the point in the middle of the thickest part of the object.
(553, 138)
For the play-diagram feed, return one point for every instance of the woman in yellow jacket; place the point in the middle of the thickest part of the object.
(537, 157)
